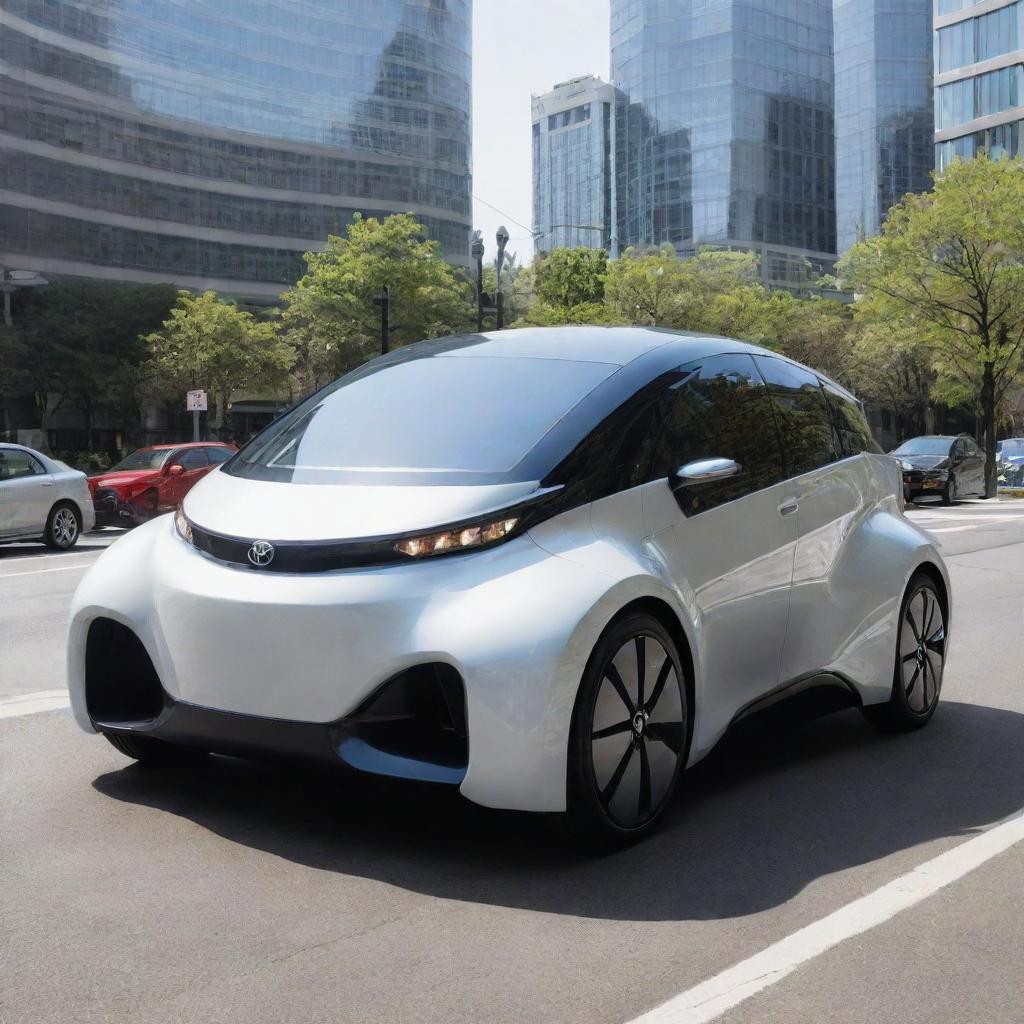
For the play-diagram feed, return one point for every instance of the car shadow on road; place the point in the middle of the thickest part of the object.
(768, 813)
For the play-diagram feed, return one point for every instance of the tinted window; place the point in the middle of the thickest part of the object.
(850, 423)
(801, 414)
(193, 458)
(424, 417)
(15, 464)
(218, 455)
(718, 409)
(972, 448)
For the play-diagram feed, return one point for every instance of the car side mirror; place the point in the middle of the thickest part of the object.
(176, 470)
(706, 471)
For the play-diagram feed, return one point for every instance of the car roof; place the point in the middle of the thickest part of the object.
(183, 444)
(618, 346)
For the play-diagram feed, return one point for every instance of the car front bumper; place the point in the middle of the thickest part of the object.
(235, 648)
(918, 484)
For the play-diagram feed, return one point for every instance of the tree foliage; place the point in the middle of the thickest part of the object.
(79, 344)
(213, 345)
(948, 272)
(330, 316)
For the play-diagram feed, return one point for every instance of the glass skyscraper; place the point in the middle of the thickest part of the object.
(979, 78)
(211, 144)
(884, 120)
(573, 165)
(727, 138)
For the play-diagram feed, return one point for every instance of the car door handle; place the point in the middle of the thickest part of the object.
(788, 508)
(47, 483)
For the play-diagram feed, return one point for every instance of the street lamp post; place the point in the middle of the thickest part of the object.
(477, 250)
(499, 298)
(384, 301)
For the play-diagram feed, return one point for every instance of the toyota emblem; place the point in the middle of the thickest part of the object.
(261, 554)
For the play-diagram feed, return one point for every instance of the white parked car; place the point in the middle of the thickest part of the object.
(42, 499)
(548, 566)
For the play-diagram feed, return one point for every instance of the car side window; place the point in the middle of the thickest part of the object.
(193, 458)
(972, 448)
(805, 428)
(851, 424)
(15, 465)
(718, 409)
(218, 455)
(959, 449)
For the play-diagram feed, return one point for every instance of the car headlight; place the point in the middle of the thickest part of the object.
(905, 466)
(462, 538)
(182, 525)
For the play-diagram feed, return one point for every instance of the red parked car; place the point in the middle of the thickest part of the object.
(153, 480)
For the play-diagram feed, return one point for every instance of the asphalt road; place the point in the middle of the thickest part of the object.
(235, 892)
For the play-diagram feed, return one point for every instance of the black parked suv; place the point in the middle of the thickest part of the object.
(944, 466)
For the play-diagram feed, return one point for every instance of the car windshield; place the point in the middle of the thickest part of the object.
(925, 446)
(144, 458)
(1011, 446)
(432, 420)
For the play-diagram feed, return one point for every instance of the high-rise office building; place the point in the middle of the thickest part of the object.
(727, 137)
(884, 110)
(979, 78)
(211, 144)
(574, 165)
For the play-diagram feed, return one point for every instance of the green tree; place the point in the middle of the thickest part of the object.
(79, 344)
(331, 319)
(948, 269)
(211, 344)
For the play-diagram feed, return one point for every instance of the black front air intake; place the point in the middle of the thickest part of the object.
(121, 684)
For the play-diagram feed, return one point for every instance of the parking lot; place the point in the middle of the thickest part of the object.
(233, 891)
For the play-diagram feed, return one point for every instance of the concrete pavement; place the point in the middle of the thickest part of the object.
(234, 892)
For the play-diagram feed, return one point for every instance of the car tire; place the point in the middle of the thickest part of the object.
(148, 750)
(63, 527)
(949, 492)
(919, 662)
(628, 738)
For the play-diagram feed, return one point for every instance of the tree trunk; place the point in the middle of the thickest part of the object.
(988, 415)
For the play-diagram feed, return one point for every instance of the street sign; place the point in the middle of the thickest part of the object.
(196, 401)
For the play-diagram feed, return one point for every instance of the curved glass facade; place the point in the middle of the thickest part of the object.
(212, 144)
(727, 137)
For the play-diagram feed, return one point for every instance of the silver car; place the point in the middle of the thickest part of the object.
(550, 567)
(42, 499)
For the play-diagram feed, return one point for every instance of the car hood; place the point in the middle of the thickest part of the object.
(117, 480)
(925, 461)
(258, 509)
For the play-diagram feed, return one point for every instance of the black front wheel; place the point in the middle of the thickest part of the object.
(628, 741)
(949, 492)
(150, 751)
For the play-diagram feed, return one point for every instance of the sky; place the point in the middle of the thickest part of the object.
(521, 47)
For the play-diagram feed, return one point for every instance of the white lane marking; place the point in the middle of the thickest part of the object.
(36, 572)
(718, 995)
(949, 529)
(33, 703)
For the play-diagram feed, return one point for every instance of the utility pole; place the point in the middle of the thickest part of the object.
(384, 301)
(499, 298)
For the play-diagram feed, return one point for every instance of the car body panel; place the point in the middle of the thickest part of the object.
(26, 502)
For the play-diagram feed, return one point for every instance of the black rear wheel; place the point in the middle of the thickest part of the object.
(63, 527)
(629, 732)
(920, 658)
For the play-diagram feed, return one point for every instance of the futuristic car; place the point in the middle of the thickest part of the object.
(547, 566)
(42, 499)
(943, 466)
(154, 480)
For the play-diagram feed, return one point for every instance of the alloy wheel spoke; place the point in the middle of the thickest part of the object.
(929, 613)
(641, 662)
(659, 684)
(912, 656)
(913, 624)
(644, 799)
(612, 730)
(669, 733)
(611, 673)
(610, 790)
(913, 681)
